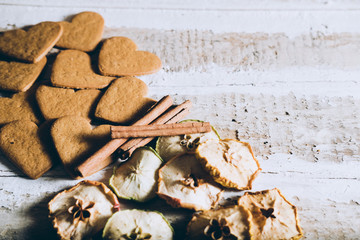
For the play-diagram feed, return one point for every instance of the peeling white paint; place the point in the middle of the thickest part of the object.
(283, 76)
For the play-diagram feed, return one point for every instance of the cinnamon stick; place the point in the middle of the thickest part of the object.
(143, 141)
(100, 159)
(156, 130)
(171, 116)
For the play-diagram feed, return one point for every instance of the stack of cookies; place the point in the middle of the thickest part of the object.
(81, 89)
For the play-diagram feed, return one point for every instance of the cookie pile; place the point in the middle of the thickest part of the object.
(41, 122)
(80, 90)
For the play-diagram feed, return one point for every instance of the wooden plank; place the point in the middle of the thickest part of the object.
(280, 75)
(251, 21)
(217, 5)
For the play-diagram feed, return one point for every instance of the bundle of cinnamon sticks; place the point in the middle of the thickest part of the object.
(160, 120)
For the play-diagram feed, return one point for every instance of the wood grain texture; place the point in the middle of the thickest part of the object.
(217, 5)
(271, 16)
(284, 77)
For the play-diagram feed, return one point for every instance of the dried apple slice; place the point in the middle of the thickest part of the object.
(231, 222)
(82, 211)
(137, 224)
(169, 147)
(183, 183)
(230, 162)
(273, 217)
(137, 178)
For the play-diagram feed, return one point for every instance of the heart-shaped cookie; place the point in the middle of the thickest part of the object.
(84, 32)
(26, 146)
(124, 101)
(18, 76)
(58, 102)
(72, 69)
(119, 57)
(20, 106)
(75, 139)
(31, 45)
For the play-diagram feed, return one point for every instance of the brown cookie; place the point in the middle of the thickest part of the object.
(18, 76)
(25, 145)
(75, 140)
(84, 32)
(72, 69)
(119, 57)
(58, 102)
(124, 101)
(20, 106)
(30, 45)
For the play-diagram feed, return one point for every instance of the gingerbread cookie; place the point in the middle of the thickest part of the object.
(119, 57)
(84, 32)
(18, 76)
(75, 139)
(30, 45)
(124, 101)
(25, 145)
(72, 69)
(20, 106)
(58, 102)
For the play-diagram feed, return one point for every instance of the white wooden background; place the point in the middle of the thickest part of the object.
(282, 75)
